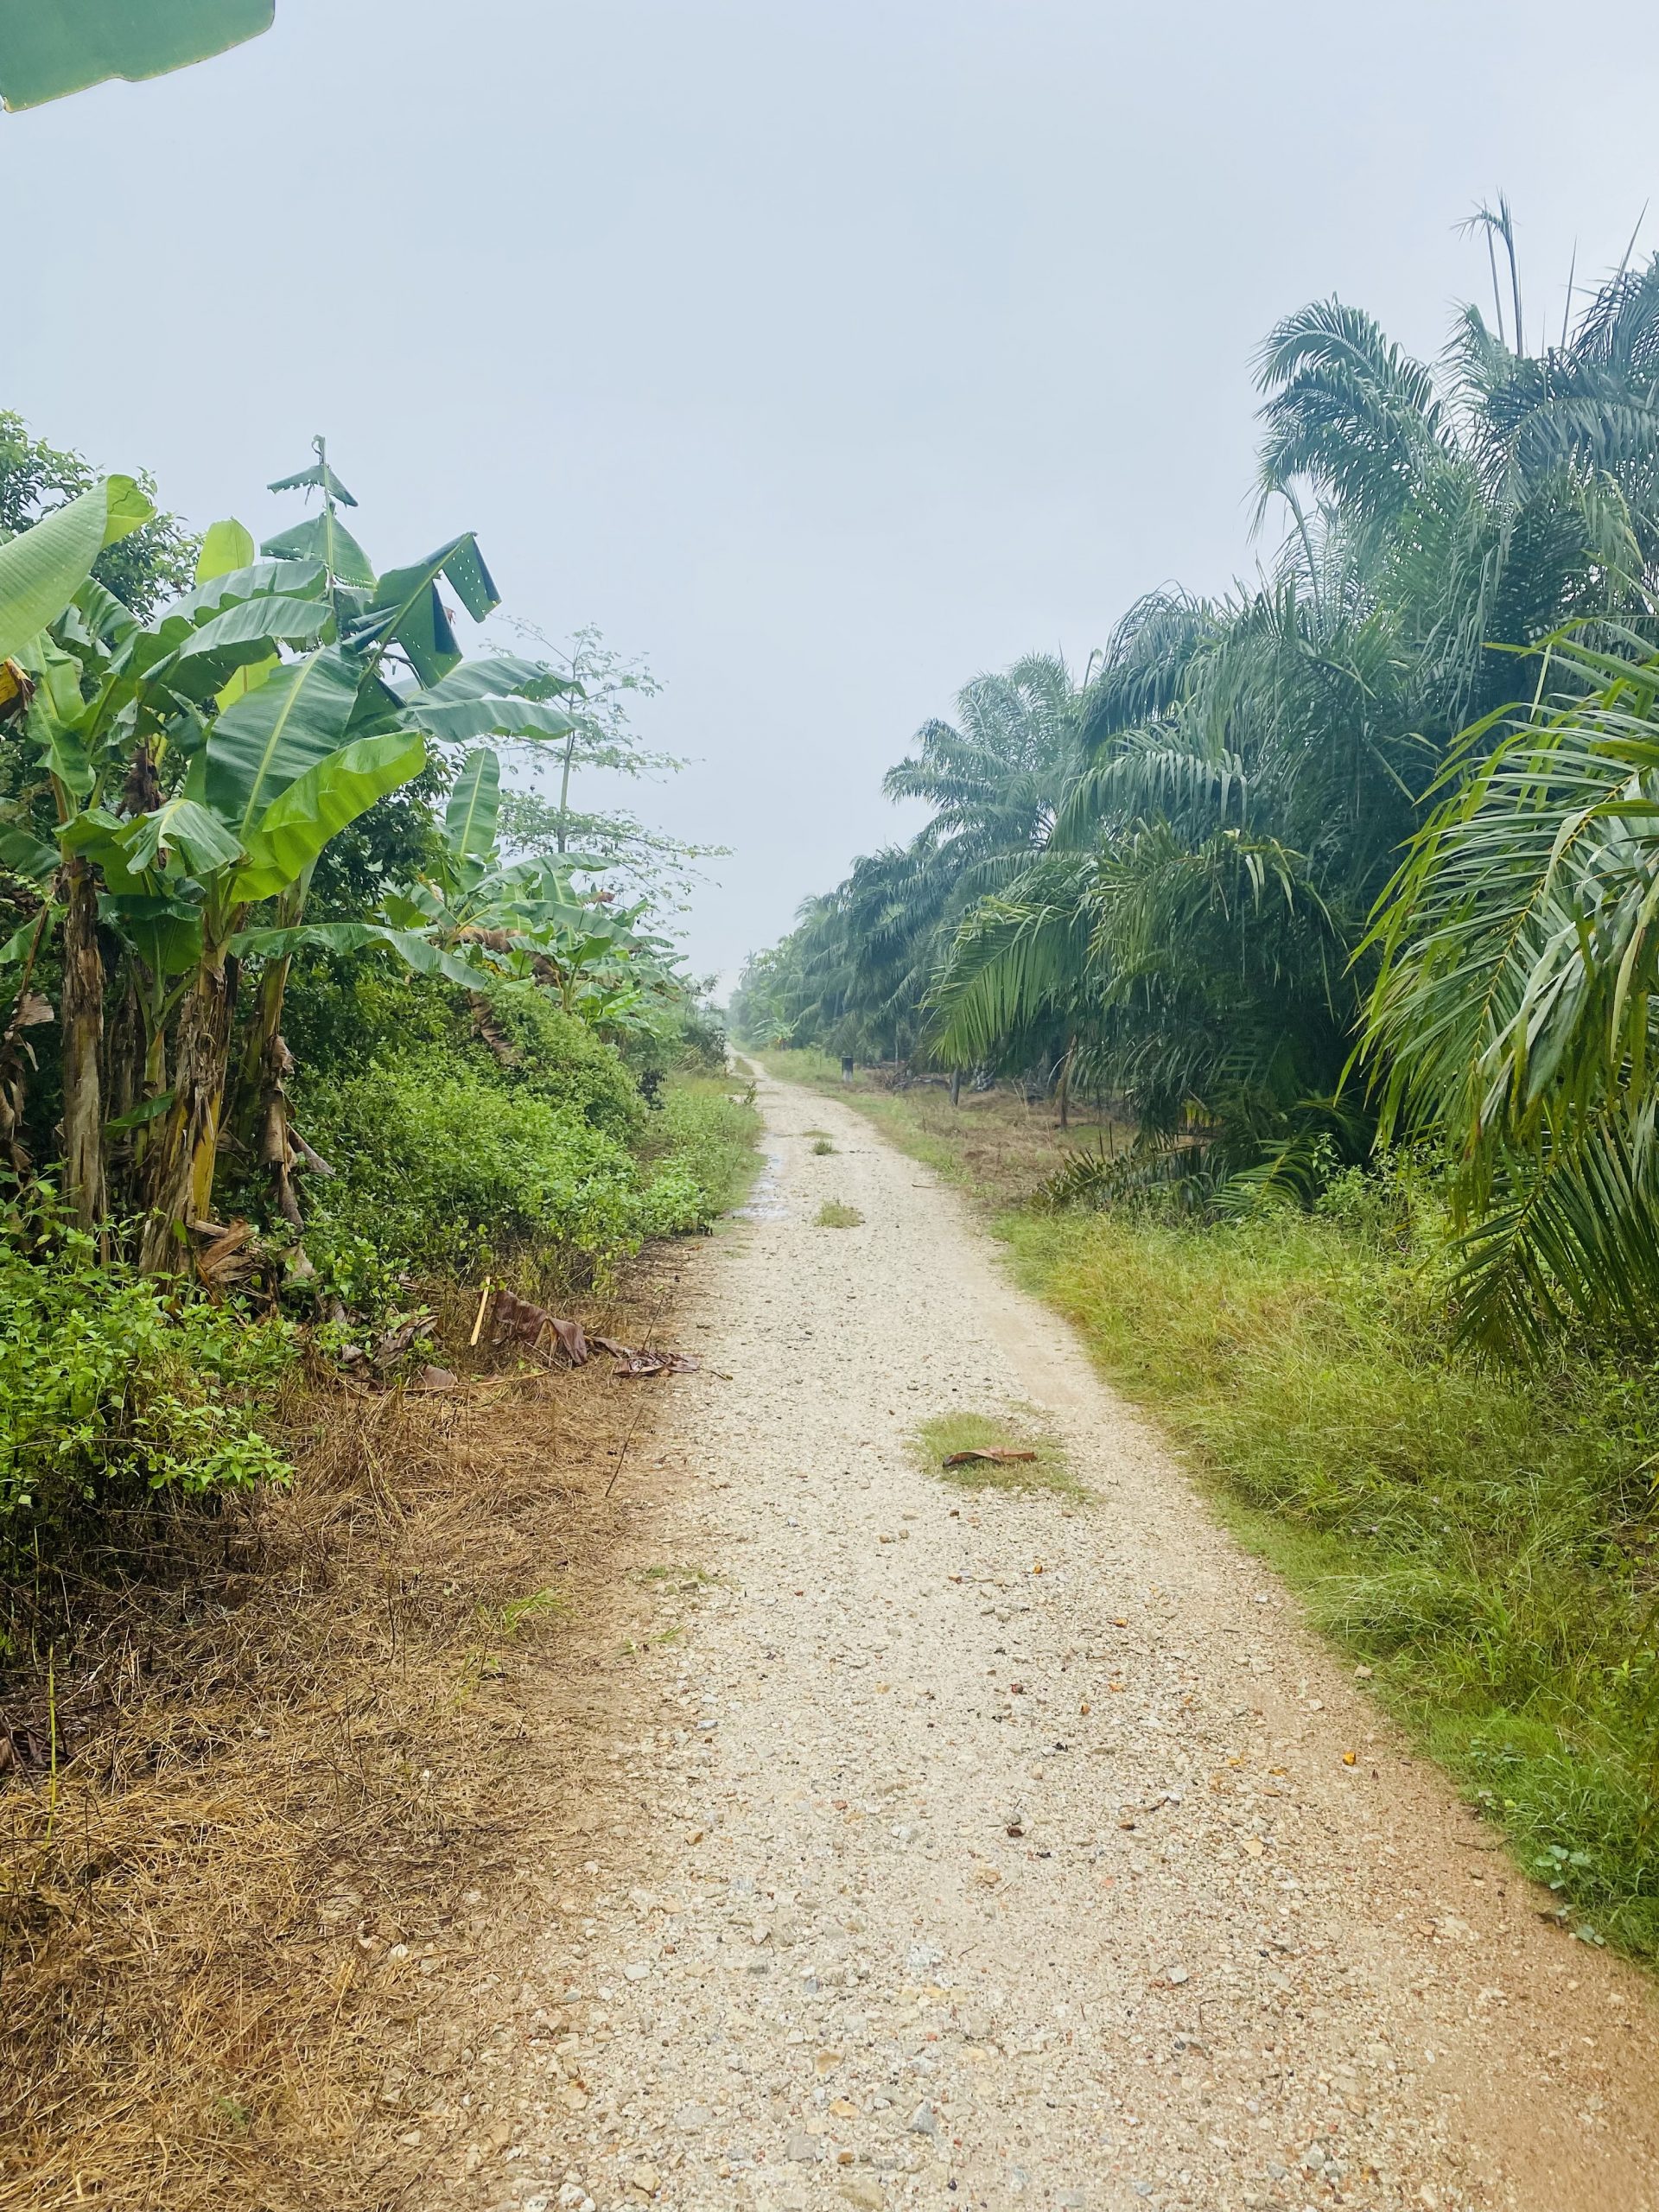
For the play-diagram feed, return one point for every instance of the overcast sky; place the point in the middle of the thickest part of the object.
(826, 353)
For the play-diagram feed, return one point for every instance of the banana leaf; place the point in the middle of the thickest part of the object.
(43, 568)
(474, 805)
(318, 805)
(51, 48)
(264, 742)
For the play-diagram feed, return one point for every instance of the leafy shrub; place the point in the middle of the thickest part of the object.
(558, 1059)
(444, 1168)
(110, 1388)
(343, 1013)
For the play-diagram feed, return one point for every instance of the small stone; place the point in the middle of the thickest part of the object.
(1176, 1976)
(690, 2117)
(803, 2149)
(922, 2121)
(636, 1973)
(1313, 2159)
(646, 2178)
(866, 2194)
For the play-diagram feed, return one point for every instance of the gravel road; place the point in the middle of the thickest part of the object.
(1007, 1851)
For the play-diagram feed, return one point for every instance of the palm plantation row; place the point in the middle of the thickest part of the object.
(1366, 852)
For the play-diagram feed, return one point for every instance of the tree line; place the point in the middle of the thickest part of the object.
(1365, 853)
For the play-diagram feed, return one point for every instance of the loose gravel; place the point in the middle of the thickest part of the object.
(1004, 1850)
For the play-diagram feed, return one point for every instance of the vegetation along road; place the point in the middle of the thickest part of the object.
(993, 1846)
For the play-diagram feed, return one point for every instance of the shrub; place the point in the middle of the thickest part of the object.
(443, 1169)
(110, 1389)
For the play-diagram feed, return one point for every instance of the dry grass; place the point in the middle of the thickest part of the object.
(832, 1214)
(287, 1742)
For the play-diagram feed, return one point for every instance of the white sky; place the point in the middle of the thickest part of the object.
(826, 353)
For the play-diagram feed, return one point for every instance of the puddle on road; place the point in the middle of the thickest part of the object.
(765, 1202)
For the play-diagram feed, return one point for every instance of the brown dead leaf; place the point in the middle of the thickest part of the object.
(995, 1455)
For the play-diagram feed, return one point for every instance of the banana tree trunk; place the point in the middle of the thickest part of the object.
(82, 1042)
(266, 1071)
(181, 1162)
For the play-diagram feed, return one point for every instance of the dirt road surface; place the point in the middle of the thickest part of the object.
(973, 1850)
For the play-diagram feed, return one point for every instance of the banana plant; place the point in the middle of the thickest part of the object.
(399, 614)
(42, 570)
(526, 916)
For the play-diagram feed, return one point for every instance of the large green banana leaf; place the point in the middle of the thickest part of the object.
(22, 854)
(318, 805)
(496, 675)
(225, 587)
(414, 949)
(461, 721)
(49, 47)
(264, 742)
(247, 633)
(181, 830)
(227, 546)
(406, 610)
(324, 538)
(43, 568)
(474, 805)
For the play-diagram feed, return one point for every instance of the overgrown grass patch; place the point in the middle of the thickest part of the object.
(939, 1439)
(832, 1214)
(823, 1147)
(1484, 1542)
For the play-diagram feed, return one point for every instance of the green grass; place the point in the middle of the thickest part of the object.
(936, 1439)
(1487, 1543)
(709, 1134)
(833, 1215)
(823, 1147)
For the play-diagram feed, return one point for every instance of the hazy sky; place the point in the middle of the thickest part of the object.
(826, 353)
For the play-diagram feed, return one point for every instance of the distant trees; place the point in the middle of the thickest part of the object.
(1292, 856)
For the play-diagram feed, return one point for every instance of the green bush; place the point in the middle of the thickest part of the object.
(342, 1014)
(110, 1388)
(558, 1060)
(443, 1169)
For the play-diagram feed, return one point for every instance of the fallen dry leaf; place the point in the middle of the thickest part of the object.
(994, 1455)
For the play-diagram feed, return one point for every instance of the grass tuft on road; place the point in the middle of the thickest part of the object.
(833, 1215)
(946, 1434)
